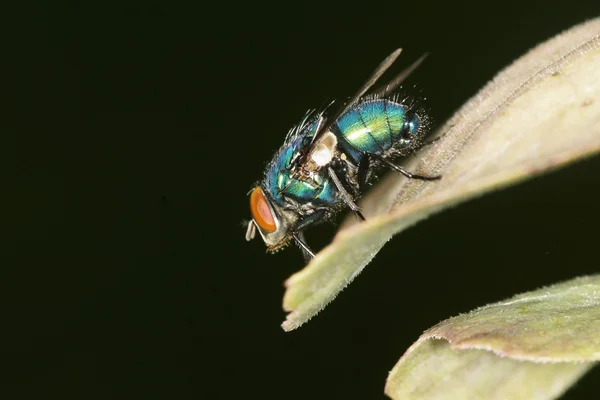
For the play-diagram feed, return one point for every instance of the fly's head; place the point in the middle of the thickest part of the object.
(273, 223)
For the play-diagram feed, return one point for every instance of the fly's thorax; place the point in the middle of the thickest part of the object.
(291, 179)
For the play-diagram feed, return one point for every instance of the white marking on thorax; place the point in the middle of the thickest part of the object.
(324, 149)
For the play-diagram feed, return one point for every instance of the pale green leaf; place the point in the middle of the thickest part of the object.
(540, 113)
(533, 346)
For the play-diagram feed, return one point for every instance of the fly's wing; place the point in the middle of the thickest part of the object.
(394, 83)
(381, 68)
(326, 123)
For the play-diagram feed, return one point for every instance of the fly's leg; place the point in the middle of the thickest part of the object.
(307, 253)
(363, 171)
(298, 235)
(346, 197)
(407, 174)
(432, 141)
(410, 175)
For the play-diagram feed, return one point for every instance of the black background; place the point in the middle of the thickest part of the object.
(134, 131)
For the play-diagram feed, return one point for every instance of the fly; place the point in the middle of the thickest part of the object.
(327, 161)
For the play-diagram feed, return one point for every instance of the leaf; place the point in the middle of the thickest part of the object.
(533, 346)
(540, 113)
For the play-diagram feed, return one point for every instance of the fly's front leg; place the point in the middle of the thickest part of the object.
(307, 253)
(299, 238)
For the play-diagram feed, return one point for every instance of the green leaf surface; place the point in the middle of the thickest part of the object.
(540, 113)
(532, 346)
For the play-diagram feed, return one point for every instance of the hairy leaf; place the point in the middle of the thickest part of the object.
(540, 113)
(533, 346)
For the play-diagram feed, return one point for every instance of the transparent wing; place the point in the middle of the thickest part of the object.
(394, 83)
(381, 68)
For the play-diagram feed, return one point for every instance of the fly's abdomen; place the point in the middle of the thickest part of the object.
(375, 126)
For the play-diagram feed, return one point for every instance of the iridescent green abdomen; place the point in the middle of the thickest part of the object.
(374, 126)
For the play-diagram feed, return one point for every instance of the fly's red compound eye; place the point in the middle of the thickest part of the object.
(261, 212)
